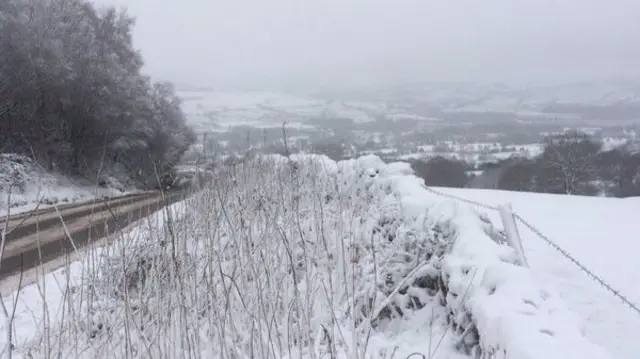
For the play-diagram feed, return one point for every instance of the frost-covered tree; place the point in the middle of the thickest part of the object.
(72, 94)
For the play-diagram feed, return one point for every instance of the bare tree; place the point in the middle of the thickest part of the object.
(568, 163)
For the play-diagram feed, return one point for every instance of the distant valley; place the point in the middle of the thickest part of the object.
(409, 121)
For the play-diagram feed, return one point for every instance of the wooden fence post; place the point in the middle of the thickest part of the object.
(511, 229)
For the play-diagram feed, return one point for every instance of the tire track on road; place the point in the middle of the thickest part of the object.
(19, 225)
(33, 246)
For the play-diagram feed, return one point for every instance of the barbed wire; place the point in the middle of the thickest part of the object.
(461, 199)
(582, 267)
(549, 242)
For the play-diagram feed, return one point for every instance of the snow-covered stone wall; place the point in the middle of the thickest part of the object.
(494, 304)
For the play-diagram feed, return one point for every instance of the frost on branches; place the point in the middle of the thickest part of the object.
(303, 257)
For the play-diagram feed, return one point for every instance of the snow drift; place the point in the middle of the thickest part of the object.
(303, 257)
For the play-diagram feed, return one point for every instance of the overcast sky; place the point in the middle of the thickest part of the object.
(360, 42)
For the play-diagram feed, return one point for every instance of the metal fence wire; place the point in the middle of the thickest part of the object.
(616, 293)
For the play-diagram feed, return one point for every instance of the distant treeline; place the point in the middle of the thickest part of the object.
(571, 163)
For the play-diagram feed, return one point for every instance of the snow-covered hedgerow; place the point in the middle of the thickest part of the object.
(303, 257)
(493, 303)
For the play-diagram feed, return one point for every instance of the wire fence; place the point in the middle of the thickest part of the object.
(551, 243)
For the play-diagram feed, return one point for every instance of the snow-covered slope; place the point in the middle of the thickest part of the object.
(314, 258)
(220, 110)
(24, 185)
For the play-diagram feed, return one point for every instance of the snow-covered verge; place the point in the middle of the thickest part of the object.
(303, 259)
(602, 234)
(24, 185)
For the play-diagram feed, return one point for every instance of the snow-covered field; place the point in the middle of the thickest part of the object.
(25, 186)
(348, 260)
(221, 110)
(473, 153)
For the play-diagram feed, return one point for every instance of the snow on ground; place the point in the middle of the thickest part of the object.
(609, 143)
(241, 99)
(300, 259)
(23, 185)
(601, 233)
(468, 157)
(220, 110)
(337, 109)
(235, 108)
(33, 313)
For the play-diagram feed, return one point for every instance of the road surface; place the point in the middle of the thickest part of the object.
(35, 238)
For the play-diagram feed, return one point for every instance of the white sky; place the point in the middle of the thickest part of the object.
(359, 42)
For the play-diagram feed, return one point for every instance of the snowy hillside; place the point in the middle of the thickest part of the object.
(502, 97)
(218, 110)
(355, 259)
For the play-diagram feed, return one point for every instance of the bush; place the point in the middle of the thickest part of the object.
(442, 172)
